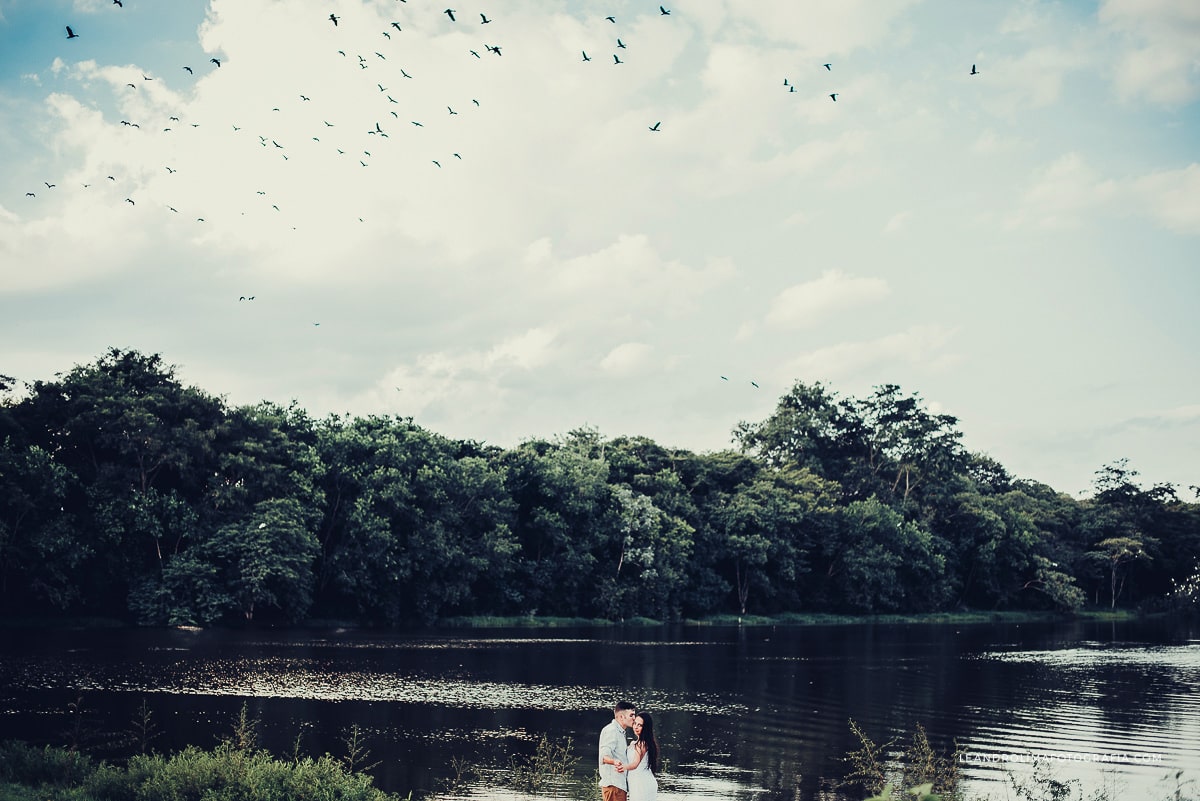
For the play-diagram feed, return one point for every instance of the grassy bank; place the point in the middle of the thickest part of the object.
(789, 619)
(798, 619)
(226, 773)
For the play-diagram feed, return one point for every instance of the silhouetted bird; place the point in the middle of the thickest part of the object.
(396, 25)
(834, 96)
(828, 67)
(130, 202)
(189, 69)
(620, 44)
(664, 11)
(450, 13)
(617, 60)
(755, 384)
(405, 74)
(118, 3)
(472, 52)
(973, 70)
(71, 34)
(585, 55)
(436, 162)
(333, 18)
(485, 19)
(30, 194)
(494, 48)
(613, 20)
(49, 185)
(216, 61)
(654, 127)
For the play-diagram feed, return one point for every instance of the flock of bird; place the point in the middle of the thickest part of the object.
(381, 67)
(362, 156)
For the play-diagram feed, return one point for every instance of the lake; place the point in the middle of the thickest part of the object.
(741, 712)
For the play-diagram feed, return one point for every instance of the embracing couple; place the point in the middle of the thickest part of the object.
(628, 768)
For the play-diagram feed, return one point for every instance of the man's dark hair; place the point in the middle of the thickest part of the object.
(622, 706)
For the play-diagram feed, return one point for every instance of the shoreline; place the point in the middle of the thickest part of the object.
(791, 619)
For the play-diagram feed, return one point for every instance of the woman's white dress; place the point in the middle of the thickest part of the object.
(642, 784)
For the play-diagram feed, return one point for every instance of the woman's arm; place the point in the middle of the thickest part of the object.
(639, 750)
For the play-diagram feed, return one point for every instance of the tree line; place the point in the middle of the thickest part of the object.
(124, 492)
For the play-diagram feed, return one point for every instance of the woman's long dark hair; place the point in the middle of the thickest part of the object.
(648, 739)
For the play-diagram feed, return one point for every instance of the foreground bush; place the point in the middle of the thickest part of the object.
(226, 773)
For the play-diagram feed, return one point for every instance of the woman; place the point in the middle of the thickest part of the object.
(641, 761)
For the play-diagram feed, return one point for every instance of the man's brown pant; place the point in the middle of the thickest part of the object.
(610, 793)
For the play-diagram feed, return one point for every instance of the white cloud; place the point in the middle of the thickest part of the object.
(1159, 60)
(1172, 197)
(897, 222)
(806, 304)
(628, 358)
(923, 346)
(1062, 192)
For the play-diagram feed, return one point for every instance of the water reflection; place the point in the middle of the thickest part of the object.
(742, 713)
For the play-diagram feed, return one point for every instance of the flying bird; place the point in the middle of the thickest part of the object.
(452, 111)
(973, 70)
(216, 61)
(829, 67)
(617, 60)
(613, 20)
(49, 185)
(472, 52)
(396, 25)
(654, 127)
(333, 18)
(189, 69)
(405, 74)
(494, 48)
(664, 11)
(620, 44)
(30, 194)
(485, 19)
(450, 13)
(585, 55)
(385, 33)
(118, 3)
(130, 202)
(834, 96)
(754, 384)
(71, 34)
(419, 125)
(438, 164)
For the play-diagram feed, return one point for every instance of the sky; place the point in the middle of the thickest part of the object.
(995, 206)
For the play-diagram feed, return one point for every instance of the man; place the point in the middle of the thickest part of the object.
(613, 782)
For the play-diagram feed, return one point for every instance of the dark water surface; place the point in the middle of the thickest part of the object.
(742, 713)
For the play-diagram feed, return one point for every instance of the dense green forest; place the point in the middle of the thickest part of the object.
(125, 493)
